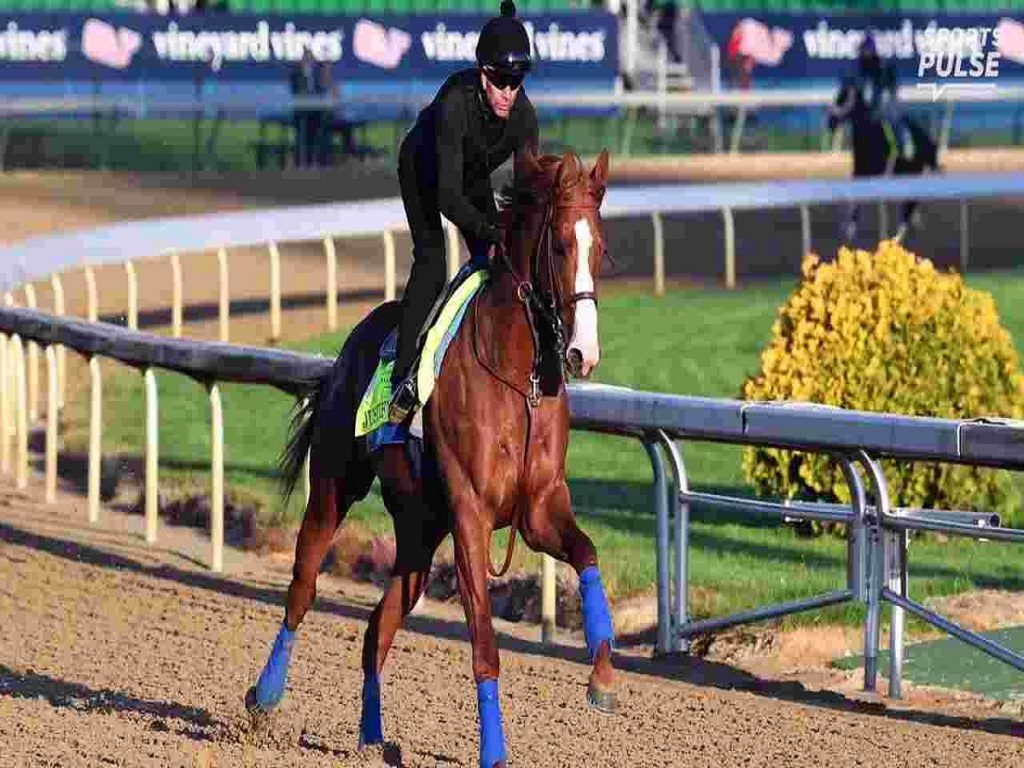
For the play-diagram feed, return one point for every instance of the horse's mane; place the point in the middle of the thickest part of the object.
(525, 192)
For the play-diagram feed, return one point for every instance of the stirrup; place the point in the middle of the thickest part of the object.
(403, 401)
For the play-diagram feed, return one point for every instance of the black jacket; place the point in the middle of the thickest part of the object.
(456, 144)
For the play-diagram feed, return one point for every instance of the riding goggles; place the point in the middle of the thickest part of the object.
(503, 78)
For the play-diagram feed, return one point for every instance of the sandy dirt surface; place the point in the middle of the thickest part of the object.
(117, 653)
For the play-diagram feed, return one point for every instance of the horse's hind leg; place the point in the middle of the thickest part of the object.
(550, 527)
(329, 501)
(417, 535)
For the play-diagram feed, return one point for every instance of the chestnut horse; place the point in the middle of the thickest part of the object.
(495, 434)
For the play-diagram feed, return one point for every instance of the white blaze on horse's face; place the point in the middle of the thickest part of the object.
(584, 327)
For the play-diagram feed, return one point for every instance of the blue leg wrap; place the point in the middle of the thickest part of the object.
(371, 727)
(492, 735)
(270, 687)
(597, 621)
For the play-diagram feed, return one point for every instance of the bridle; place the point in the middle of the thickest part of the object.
(548, 305)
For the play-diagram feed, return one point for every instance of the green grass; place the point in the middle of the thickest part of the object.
(950, 663)
(692, 341)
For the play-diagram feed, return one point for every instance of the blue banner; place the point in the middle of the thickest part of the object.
(794, 49)
(244, 47)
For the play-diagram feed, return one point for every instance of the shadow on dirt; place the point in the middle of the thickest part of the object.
(682, 668)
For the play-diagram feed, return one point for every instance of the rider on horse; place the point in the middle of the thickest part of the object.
(478, 119)
(870, 94)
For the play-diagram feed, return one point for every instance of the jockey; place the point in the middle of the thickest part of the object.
(478, 119)
(872, 92)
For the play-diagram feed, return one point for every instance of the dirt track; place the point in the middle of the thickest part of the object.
(114, 653)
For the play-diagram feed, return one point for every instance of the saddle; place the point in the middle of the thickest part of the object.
(432, 343)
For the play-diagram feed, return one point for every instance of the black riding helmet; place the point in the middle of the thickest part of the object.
(504, 46)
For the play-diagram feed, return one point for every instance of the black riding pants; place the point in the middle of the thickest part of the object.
(429, 273)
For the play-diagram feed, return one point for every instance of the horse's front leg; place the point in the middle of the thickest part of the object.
(472, 538)
(550, 527)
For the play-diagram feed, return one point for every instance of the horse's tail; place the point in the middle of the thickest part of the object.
(300, 437)
(326, 412)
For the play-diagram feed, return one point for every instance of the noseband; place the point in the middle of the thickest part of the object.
(548, 305)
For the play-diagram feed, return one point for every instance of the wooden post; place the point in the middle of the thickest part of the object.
(152, 457)
(332, 283)
(95, 437)
(730, 249)
(225, 294)
(62, 353)
(177, 298)
(659, 255)
(275, 293)
(389, 266)
(805, 232)
(93, 311)
(6, 401)
(33, 362)
(21, 414)
(51, 424)
(133, 296)
(548, 583)
(217, 489)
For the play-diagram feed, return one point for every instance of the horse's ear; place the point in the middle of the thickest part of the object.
(599, 173)
(567, 171)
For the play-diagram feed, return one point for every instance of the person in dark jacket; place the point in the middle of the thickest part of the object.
(478, 119)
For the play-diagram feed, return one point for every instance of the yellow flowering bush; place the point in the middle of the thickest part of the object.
(886, 331)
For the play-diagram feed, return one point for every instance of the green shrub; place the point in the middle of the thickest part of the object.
(887, 332)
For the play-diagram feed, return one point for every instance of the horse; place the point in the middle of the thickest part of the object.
(494, 441)
(878, 143)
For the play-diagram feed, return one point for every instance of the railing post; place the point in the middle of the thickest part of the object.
(389, 266)
(275, 293)
(549, 599)
(895, 554)
(883, 220)
(873, 620)
(95, 436)
(51, 424)
(805, 231)
(62, 356)
(659, 254)
(21, 414)
(332, 283)
(664, 642)
(177, 299)
(730, 248)
(92, 298)
(965, 237)
(5, 404)
(133, 296)
(224, 295)
(681, 559)
(33, 362)
(152, 457)
(217, 484)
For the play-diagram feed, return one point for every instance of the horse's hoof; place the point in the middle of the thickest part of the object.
(604, 701)
(252, 706)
